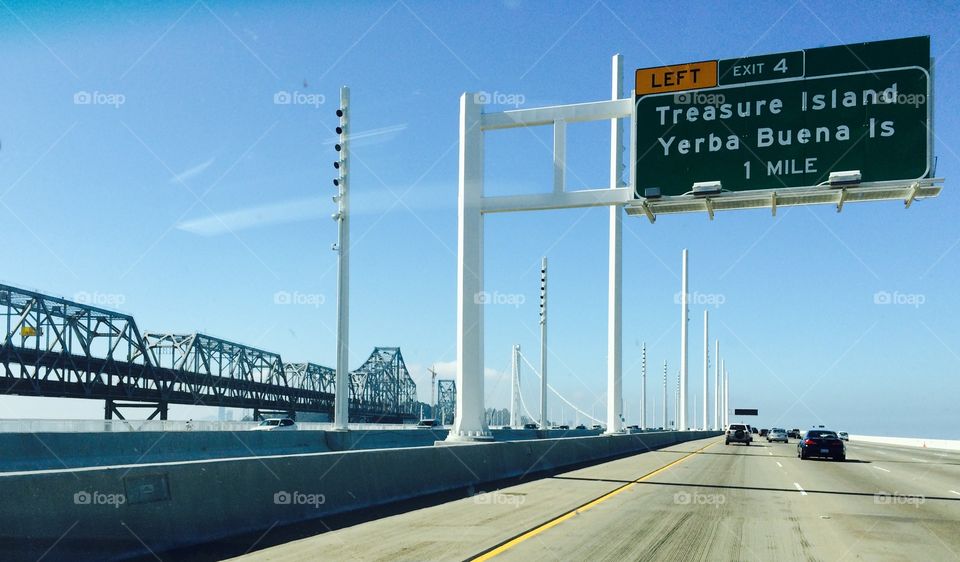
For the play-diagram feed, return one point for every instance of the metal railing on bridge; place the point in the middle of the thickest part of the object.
(58, 348)
(125, 426)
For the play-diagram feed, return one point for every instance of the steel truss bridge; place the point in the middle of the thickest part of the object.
(58, 348)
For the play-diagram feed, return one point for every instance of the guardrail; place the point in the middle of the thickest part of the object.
(98, 426)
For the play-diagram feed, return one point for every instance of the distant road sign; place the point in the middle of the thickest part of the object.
(786, 119)
(744, 412)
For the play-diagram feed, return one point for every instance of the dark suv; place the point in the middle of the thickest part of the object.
(738, 433)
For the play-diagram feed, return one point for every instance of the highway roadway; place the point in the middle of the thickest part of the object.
(701, 500)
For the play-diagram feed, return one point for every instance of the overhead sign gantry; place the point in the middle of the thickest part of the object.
(820, 126)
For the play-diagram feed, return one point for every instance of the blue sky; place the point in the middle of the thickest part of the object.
(185, 196)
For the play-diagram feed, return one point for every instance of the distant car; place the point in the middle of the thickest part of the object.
(843, 435)
(581, 426)
(633, 427)
(275, 424)
(794, 433)
(530, 426)
(776, 434)
(597, 426)
(764, 432)
(754, 430)
(428, 423)
(738, 433)
(822, 443)
(563, 427)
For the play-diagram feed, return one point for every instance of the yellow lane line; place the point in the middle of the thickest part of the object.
(561, 518)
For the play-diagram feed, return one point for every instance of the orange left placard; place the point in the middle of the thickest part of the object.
(676, 78)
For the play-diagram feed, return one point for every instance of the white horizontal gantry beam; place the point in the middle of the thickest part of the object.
(565, 200)
(573, 113)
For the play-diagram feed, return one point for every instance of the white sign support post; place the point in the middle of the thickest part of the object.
(684, 324)
(706, 366)
(470, 424)
(615, 277)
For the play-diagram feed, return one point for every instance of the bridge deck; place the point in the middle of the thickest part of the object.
(718, 503)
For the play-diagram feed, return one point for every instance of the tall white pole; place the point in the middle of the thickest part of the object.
(469, 422)
(615, 271)
(515, 390)
(684, 321)
(341, 408)
(665, 396)
(543, 343)
(717, 422)
(706, 366)
(643, 388)
(726, 397)
(676, 407)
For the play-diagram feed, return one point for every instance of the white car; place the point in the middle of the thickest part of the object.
(275, 424)
(843, 435)
(777, 434)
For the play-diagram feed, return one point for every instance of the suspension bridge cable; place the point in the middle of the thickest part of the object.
(567, 402)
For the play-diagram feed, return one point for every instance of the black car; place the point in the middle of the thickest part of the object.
(794, 434)
(764, 432)
(822, 443)
(530, 426)
(581, 426)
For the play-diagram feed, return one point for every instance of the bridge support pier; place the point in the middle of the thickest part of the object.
(112, 408)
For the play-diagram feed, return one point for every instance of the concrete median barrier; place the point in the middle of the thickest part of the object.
(96, 513)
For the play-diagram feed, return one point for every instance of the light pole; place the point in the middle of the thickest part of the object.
(341, 414)
(643, 388)
(515, 390)
(543, 343)
(664, 395)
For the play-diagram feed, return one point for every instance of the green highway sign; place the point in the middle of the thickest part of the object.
(787, 119)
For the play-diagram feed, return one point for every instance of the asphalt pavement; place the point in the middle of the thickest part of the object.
(701, 500)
